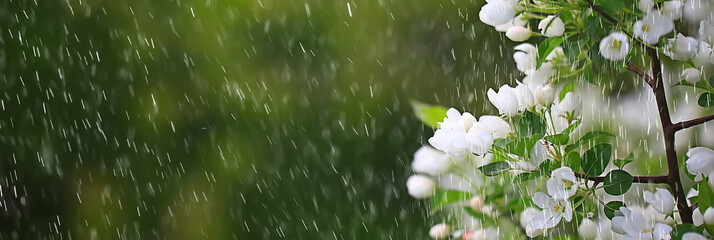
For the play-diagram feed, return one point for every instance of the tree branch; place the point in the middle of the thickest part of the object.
(636, 179)
(691, 123)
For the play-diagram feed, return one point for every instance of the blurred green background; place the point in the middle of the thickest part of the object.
(228, 119)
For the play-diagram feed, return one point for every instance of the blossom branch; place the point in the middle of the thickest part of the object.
(691, 123)
(614, 21)
(637, 179)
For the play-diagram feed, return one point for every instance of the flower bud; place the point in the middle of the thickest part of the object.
(551, 26)
(672, 9)
(587, 229)
(662, 200)
(682, 47)
(693, 236)
(691, 75)
(420, 186)
(440, 231)
(475, 235)
(709, 216)
(645, 5)
(476, 203)
(518, 33)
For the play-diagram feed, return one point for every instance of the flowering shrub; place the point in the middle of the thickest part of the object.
(536, 170)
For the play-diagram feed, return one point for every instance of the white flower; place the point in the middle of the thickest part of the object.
(693, 236)
(563, 184)
(615, 46)
(505, 100)
(645, 5)
(634, 226)
(525, 56)
(518, 21)
(428, 160)
(701, 162)
(499, 127)
(553, 211)
(652, 27)
(662, 200)
(682, 47)
(551, 26)
(495, 13)
(540, 76)
(697, 10)
(706, 31)
(525, 97)
(672, 9)
(454, 119)
(527, 215)
(709, 216)
(476, 203)
(587, 229)
(544, 95)
(451, 141)
(518, 33)
(538, 155)
(479, 138)
(440, 231)
(703, 57)
(691, 75)
(570, 105)
(697, 217)
(420, 186)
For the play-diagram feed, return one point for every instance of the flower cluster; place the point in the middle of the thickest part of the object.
(535, 163)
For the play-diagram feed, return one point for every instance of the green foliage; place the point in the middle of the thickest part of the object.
(620, 163)
(558, 139)
(573, 160)
(520, 146)
(705, 200)
(611, 207)
(442, 198)
(542, 170)
(545, 48)
(617, 182)
(681, 229)
(706, 99)
(611, 6)
(568, 88)
(588, 137)
(428, 114)
(494, 168)
(531, 124)
(596, 159)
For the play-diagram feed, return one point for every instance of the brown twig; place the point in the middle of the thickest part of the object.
(657, 84)
(637, 179)
(691, 123)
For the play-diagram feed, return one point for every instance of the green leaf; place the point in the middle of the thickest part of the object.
(617, 182)
(596, 159)
(428, 114)
(519, 147)
(443, 198)
(531, 124)
(573, 160)
(620, 163)
(610, 6)
(588, 137)
(558, 139)
(568, 88)
(545, 48)
(706, 99)
(611, 207)
(681, 229)
(494, 168)
(542, 170)
(706, 195)
(701, 85)
(589, 74)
